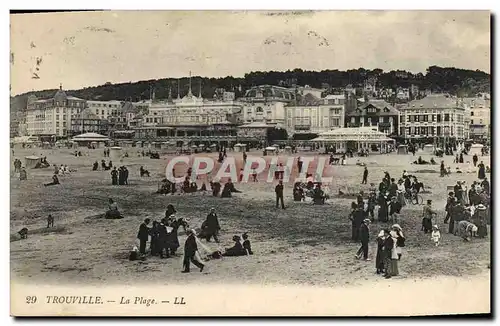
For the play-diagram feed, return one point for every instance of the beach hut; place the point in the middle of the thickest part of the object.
(475, 149)
(31, 161)
(402, 149)
(429, 149)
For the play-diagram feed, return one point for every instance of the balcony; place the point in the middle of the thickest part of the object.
(302, 127)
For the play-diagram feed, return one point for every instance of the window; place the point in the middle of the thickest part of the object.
(102, 112)
(353, 120)
(472, 113)
(446, 117)
(480, 121)
(438, 118)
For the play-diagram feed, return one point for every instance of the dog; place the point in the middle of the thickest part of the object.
(23, 233)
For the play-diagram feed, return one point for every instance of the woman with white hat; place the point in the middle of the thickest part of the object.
(400, 240)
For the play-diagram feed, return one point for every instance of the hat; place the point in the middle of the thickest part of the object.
(381, 234)
(435, 227)
(366, 220)
(236, 238)
(397, 226)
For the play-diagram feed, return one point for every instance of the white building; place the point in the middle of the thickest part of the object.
(52, 117)
(267, 104)
(192, 110)
(479, 113)
(104, 109)
(435, 116)
(312, 115)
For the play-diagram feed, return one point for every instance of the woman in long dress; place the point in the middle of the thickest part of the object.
(400, 240)
(401, 193)
(379, 261)
(394, 254)
(480, 219)
(387, 254)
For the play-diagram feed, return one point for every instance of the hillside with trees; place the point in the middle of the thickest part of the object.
(460, 82)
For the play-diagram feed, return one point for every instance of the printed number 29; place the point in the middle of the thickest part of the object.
(30, 299)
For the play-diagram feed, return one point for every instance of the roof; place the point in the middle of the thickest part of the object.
(352, 131)
(86, 114)
(433, 101)
(90, 136)
(383, 108)
(74, 98)
(476, 102)
(308, 100)
(256, 125)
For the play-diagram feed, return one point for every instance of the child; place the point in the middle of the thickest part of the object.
(435, 235)
(254, 175)
(246, 244)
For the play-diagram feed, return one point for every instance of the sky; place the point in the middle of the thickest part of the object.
(84, 49)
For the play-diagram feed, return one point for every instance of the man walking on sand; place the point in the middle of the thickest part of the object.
(365, 176)
(190, 249)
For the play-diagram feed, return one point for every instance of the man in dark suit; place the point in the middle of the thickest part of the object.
(190, 249)
(365, 176)
(364, 236)
(142, 235)
(279, 194)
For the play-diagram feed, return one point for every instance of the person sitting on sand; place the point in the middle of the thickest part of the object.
(143, 172)
(95, 166)
(55, 181)
(236, 250)
(215, 186)
(298, 192)
(228, 190)
(432, 161)
(23, 175)
(113, 212)
(318, 195)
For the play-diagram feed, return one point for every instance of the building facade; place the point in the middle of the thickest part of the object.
(374, 113)
(191, 118)
(52, 117)
(434, 117)
(479, 113)
(267, 104)
(313, 116)
(87, 121)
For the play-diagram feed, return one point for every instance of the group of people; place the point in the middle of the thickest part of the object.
(390, 243)
(165, 239)
(119, 176)
(104, 166)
